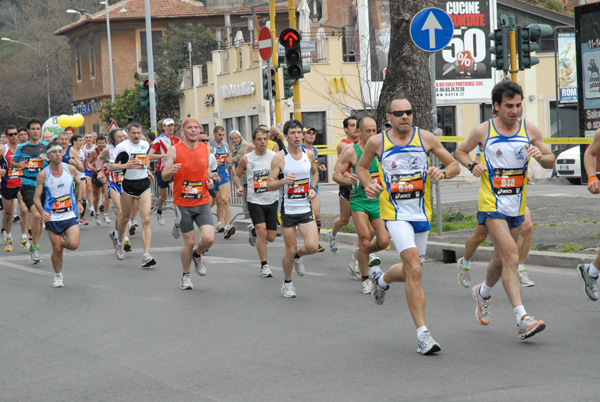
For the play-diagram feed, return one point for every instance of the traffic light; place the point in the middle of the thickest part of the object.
(499, 48)
(144, 94)
(268, 76)
(290, 39)
(526, 43)
(288, 92)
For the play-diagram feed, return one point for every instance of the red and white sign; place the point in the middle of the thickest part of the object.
(112, 125)
(265, 43)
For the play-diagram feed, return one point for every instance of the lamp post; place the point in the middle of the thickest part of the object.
(47, 67)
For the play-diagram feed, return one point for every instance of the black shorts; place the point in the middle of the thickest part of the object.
(135, 188)
(161, 183)
(345, 192)
(27, 193)
(289, 221)
(95, 182)
(60, 227)
(10, 193)
(264, 214)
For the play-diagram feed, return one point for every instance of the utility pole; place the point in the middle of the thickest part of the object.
(275, 59)
(150, 56)
(296, 86)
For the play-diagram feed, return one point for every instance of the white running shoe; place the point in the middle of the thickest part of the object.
(58, 282)
(113, 239)
(367, 286)
(119, 251)
(482, 311)
(299, 266)
(427, 345)
(199, 264)
(529, 326)
(524, 278)
(288, 290)
(265, 272)
(333, 246)
(377, 292)
(175, 231)
(186, 283)
(34, 255)
(251, 235)
(160, 219)
(97, 219)
(464, 274)
(353, 268)
(106, 218)
(148, 261)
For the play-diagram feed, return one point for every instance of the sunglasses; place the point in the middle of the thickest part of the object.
(204, 140)
(400, 113)
(12, 134)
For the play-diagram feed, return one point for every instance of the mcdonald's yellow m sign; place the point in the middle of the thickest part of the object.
(337, 83)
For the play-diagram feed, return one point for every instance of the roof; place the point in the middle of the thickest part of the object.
(131, 10)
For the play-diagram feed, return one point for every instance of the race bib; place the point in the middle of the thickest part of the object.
(299, 189)
(221, 159)
(118, 177)
(508, 181)
(192, 189)
(34, 165)
(62, 204)
(406, 186)
(15, 173)
(375, 178)
(260, 181)
(138, 160)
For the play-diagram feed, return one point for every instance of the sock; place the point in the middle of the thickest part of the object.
(519, 313)
(8, 235)
(186, 274)
(296, 256)
(319, 226)
(196, 255)
(159, 211)
(35, 246)
(119, 243)
(332, 236)
(59, 275)
(364, 278)
(284, 281)
(382, 282)
(263, 263)
(485, 290)
(84, 203)
(24, 236)
(521, 267)
(125, 238)
(420, 330)
(466, 263)
(592, 270)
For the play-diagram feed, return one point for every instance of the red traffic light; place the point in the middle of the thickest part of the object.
(290, 38)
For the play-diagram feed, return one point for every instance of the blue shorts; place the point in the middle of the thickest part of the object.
(224, 180)
(88, 173)
(60, 227)
(115, 187)
(160, 182)
(513, 221)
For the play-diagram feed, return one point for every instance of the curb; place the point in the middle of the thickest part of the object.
(450, 252)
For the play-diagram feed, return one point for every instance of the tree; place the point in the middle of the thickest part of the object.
(125, 108)
(408, 67)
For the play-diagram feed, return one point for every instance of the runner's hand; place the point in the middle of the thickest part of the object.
(240, 191)
(534, 152)
(210, 184)
(594, 187)
(479, 169)
(373, 190)
(351, 179)
(312, 194)
(289, 179)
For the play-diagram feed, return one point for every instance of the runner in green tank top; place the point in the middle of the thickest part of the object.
(364, 211)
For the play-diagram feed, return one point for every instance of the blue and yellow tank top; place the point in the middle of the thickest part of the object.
(405, 195)
(504, 186)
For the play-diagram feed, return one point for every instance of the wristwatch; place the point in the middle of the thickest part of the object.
(471, 166)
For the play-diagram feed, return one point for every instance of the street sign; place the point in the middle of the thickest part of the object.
(290, 38)
(112, 125)
(431, 29)
(265, 43)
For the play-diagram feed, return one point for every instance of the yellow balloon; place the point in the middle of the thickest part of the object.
(76, 120)
(63, 120)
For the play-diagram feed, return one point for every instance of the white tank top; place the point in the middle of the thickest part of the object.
(293, 199)
(81, 175)
(258, 168)
(60, 200)
(138, 155)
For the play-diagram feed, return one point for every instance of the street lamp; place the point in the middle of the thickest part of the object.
(80, 12)
(47, 67)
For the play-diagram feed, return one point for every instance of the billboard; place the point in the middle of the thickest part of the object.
(566, 66)
(587, 32)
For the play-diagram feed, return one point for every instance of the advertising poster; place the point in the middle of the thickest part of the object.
(567, 67)
(587, 28)
(379, 15)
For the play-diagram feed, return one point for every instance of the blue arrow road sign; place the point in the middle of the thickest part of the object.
(431, 29)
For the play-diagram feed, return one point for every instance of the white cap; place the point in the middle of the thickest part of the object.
(168, 122)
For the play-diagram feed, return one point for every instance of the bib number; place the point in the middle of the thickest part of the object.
(406, 186)
(62, 204)
(34, 165)
(508, 181)
(260, 181)
(15, 174)
(139, 161)
(192, 190)
(299, 189)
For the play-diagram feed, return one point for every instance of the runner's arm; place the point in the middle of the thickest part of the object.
(589, 161)
(347, 157)
(314, 174)
(239, 172)
(170, 167)
(452, 168)
(37, 196)
(474, 139)
(277, 166)
(362, 167)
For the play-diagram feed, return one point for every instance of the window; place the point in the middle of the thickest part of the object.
(92, 57)
(446, 120)
(228, 124)
(254, 122)
(317, 121)
(241, 127)
(96, 128)
(77, 61)
(156, 40)
(204, 79)
(485, 111)
(81, 130)
(205, 128)
(568, 120)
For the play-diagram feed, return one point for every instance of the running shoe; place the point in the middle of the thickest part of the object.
(288, 290)
(299, 266)
(126, 245)
(101, 207)
(34, 255)
(106, 219)
(113, 239)
(590, 284)
(265, 272)
(119, 252)
(175, 231)
(367, 286)
(131, 229)
(524, 278)
(464, 273)
(25, 243)
(199, 264)
(148, 261)
(97, 219)
(377, 292)
(58, 282)
(251, 235)
(529, 326)
(16, 218)
(320, 248)
(482, 311)
(333, 246)
(353, 267)
(186, 282)
(8, 247)
(220, 228)
(92, 211)
(374, 260)
(229, 231)
(83, 222)
(160, 219)
(427, 345)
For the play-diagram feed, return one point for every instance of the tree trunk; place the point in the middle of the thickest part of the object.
(408, 66)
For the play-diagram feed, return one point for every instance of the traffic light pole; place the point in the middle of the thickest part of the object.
(296, 86)
(275, 62)
(151, 87)
(514, 66)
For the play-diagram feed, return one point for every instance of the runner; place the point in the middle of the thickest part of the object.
(223, 187)
(405, 204)
(298, 171)
(307, 143)
(508, 142)
(131, 157)
(80, 161)
(262, 204)
(99, 188)
(158, 150)
(89, 144)
(365, 212)
(55, 193)
(10, 190)
(344, 193)
(187, 163)
(589, 272)
(31, 157)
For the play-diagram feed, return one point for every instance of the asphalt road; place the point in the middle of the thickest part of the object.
(117, 332)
